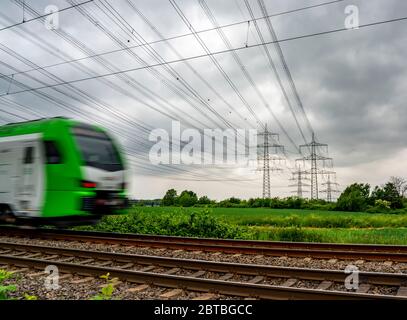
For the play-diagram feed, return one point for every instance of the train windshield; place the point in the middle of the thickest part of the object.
(97, 149)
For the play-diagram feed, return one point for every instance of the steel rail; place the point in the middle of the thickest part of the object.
(197, 284)
(271, 248)
(390, 279)
(247, 243)
(295, 249)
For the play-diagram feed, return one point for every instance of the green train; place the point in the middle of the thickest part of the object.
(59, 171)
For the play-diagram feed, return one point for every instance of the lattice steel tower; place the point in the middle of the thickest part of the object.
(266, 166)
(299, 177)
(267, 157)
(313, 153)
(330, 187)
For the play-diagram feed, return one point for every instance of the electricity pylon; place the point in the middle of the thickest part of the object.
(299, 177)
(331, 187)
(314, 154)
(267, 157)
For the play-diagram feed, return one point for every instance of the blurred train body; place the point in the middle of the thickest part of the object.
(59, 171)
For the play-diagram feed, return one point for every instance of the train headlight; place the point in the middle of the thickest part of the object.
(88, 184)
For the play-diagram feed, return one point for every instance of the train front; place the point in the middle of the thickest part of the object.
(103, 171)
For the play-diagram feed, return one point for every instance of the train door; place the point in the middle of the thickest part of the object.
(6, 172)
(30, 188)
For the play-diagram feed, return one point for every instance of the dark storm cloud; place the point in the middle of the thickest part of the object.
(353, 86)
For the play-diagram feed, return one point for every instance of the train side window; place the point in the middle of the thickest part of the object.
(28, 155)
(52, 154)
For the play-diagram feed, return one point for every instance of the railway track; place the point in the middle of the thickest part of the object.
(242, 280)
(270, 248)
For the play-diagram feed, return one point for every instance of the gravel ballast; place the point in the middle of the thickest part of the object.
(74, 288)
(372, 266)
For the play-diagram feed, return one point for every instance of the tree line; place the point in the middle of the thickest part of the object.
(356, 197)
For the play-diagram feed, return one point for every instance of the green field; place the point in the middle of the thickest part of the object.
(301, 225)
(294, 217)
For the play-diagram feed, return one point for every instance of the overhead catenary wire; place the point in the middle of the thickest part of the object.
(151, 51)
(209, 54)
(128, 81)
(59, 32)
(13, 114)
(154, 55)
(274, 70)
(245, 72)
(25, 21)
(213, 53)
(164, 168)
(14, 70)
(49, 47)
(113, 128)
(183, 35)
(285, 66)
(183, 91)
(84, 95)
(190, 67)
(108, 125)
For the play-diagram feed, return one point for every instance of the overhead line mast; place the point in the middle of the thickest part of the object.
(268, 157)
(314, 156)
(300, 178)
(331, 188)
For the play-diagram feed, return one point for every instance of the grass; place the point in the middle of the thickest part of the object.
(295, 217)
(396, 236)
(262, 224)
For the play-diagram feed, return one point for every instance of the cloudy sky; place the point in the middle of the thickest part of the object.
(94, 66)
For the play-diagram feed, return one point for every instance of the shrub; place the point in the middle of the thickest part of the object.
(354, 198)
(204, 200)
(187, 199)
(382, 204)
(389, 193)
(179, 222)
(169, 198)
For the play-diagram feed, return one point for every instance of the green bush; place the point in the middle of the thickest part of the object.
(169, 198)
(388, 193)
(179, 222)
(187, 199)
(354, 198)
(383, 205)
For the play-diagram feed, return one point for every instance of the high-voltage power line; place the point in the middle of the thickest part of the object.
(331, 187)
(313, 154)
(268, 150)
(300, 178)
